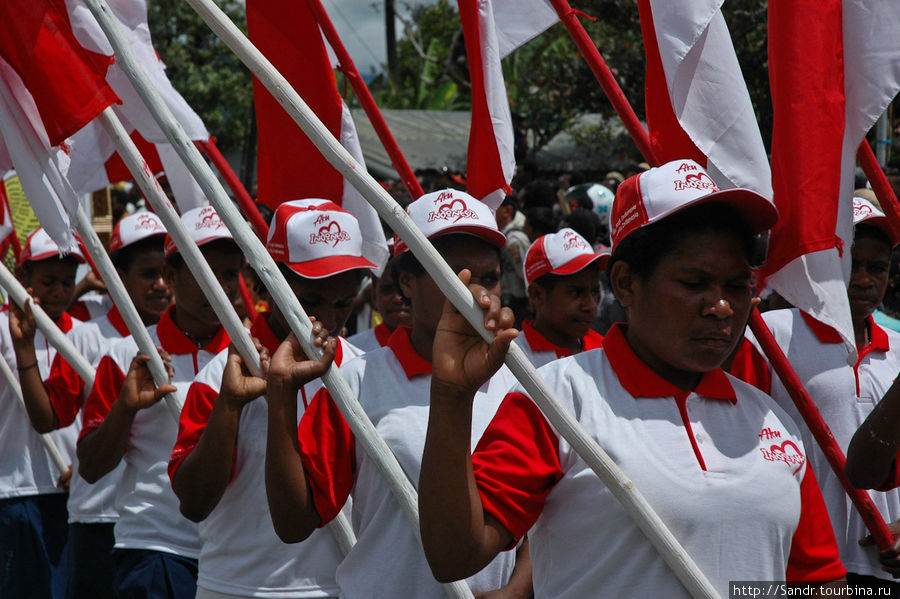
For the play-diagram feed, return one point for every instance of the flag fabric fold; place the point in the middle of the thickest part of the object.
(831, 78)
(289, 166)
(697, 101)
(41, 167)
(491, 154)
(65, 79)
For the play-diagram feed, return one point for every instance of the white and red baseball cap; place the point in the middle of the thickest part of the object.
(134, 228)
(865, 211)
(660, 192)
(562, 253)
(39, 246)
(316, 238)
(203, 225)
(452, 211)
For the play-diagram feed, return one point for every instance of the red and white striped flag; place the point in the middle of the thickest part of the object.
(132, 16)
(289, 166)
(491, 158)
(697, 101)
(834, 67)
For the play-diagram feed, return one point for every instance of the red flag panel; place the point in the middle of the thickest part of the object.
(67, 81)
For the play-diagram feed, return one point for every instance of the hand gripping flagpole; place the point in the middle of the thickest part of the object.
(47, 441)
(264, 265)
(138, 167)
(633, 502)
(54, 335)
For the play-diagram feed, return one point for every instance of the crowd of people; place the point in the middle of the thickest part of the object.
(631, 295)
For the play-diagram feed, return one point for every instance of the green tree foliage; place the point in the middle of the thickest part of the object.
(209, 76)
(548, 82)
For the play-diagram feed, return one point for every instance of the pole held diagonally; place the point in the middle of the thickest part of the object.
(262, 263)
(662, 539)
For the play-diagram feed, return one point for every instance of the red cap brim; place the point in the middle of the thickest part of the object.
(326, 267)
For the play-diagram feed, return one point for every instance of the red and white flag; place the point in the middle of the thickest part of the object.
(289, 166)
(41, 167)
(132, 16)
(50, 86)
(65, 79)
(491, 159)
(697, 101)
(834, 67)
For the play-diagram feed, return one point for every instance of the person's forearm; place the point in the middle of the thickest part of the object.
(874, 446)
(37, 401)
(202, 478)
(452, 523)
(102, 449)
(520, 583)
(290, 500)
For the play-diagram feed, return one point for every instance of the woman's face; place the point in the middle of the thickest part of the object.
(687, 315)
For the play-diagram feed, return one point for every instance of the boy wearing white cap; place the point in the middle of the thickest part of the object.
(155, 547)
(218, 465)
(32, 503)
(312, 471)
(844, 394)
(136, 249)
(562, 272)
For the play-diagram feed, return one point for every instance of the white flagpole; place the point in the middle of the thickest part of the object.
(47, 441)
(609, 473)
(54, 335)
(126, 308)
(240, 336)
(262, 262)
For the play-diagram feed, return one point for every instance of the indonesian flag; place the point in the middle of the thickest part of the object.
(41, 167)
(519, 21)
(697, 101)
(834, 67)
(491, 159)
(132, 16)
(289, 166)
(65, 79)
(95, 164)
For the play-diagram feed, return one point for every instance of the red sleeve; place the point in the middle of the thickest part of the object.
(107, 383)
(328, 451)
(516, 464)
(751, 367)
(65, 390)
(198, 405)
(814, 550)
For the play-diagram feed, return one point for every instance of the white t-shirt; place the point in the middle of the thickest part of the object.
(845, 396)
(370, 339)
(540, 351)
(393, 386)
(87, 502)
(264, 566)
(25, 467)
(722, 466)
(149, 517)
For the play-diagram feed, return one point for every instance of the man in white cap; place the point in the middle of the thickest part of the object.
(562, 272)
(32, 503)
(218, 464)
(155, 547)
(136, 250)
(844, 394)
(311, 473)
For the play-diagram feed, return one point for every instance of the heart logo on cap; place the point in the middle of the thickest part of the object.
(700, 181)
(145, 221)
(455, 210)
(210, 221)
(330, 233)
(861, 210)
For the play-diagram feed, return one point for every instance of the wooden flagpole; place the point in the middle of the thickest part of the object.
(264, 265)
(348, 68)
(633, 502)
